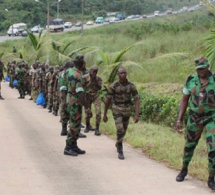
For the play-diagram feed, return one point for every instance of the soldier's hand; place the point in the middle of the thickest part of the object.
(179, 127)
(105, 118)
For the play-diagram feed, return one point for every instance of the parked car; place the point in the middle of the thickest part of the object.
(112, 19)
(78, 24)
(90, 22)
(24, 33)
(144, 16)
(67, 24)
(36, 29)
(99, 20)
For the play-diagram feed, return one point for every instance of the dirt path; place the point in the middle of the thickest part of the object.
(32, 160)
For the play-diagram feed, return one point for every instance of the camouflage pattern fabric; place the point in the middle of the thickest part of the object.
(49, 85)
(92, 96)
(201, 116)
(74, 106)
(121, 109)
(20, 74)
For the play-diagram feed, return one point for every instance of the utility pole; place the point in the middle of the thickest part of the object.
(82, 16)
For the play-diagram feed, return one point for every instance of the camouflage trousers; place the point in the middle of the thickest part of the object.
(11, 80)
(50, 97)
(75, 113)
(121, 118)
(21, 88)
(195, 126)
(34, 93)
(97, 103)
(56, 99)
(64, 114)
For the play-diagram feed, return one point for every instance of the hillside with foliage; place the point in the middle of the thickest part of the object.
(33, 13)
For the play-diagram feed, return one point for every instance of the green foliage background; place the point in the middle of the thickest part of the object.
(34, 13)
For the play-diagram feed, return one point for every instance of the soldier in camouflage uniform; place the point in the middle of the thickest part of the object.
(199, 95)
(1, 77)
(12, 72)
(120, 93)
(74, 101)
(49, 85)
(35, 81)
(27, 80)
(20, 75)
(92, 84)
(42, 82)
(56, 93)
(64, 115)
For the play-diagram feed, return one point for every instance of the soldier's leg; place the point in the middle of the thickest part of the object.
(118, 118)
(87, 119)
(210, 139)
(74, 128)
(192, 136)
(1, 98)
(97, 104)
(64, 118)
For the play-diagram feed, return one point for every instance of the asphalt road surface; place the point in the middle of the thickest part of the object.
(32, 160)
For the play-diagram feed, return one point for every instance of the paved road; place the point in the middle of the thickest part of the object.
(32, 160)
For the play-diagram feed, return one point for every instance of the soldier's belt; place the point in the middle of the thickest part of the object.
(125, 109)
(202, 114)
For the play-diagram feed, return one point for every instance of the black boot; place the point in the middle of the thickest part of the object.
(180, 177)
(97, 132)
(1, 98)
(55, 112)
(120, 151)
(87, 129)
(91, 128)
(64, 129)
(80, 135)
(211, 183)
(50, 109)
(69, 151)
(77, 149)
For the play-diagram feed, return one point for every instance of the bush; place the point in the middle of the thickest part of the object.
(159, 109)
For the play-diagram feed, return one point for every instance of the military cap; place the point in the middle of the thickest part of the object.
(201, 63)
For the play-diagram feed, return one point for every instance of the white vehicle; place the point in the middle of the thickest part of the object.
(67, 24)
(16, 29)
(36, 29)
(156, 13)
(56, 25)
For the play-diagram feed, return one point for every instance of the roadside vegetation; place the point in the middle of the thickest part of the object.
(33, 13)
(159, 55)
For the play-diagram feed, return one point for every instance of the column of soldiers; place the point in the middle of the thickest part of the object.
(71, 88)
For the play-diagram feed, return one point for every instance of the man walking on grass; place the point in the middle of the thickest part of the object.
(120, 93)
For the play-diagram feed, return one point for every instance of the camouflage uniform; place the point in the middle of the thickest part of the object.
(34, 83)
(19, 75)
(92, 97)
(122, 103)
(27, 80)
(12, 73)
(56, 93)
(42, 84)
(64, 115)
(74, 107)
(201, 115)
(49, 86)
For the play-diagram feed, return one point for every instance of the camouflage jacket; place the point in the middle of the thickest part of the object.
(91, 88)
(202, 95)
(122, 94)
